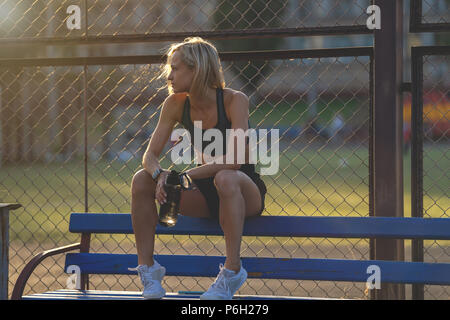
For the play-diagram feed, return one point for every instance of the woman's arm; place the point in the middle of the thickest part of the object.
(239, 114)
(160, 136)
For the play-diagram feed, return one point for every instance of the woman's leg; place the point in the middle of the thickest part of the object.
(239, 198)
(144, 215)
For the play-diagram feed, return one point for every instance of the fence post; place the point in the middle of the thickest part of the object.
(388, 121)
(4, 246)
(387, 126)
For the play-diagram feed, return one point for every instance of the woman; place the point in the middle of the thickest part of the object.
(229, 192)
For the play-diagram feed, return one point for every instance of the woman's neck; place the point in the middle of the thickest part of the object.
(204, 102)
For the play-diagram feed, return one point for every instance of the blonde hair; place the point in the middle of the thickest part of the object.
(201, 56)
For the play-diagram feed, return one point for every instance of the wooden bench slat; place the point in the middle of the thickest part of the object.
(260, 267)
(279, 226)
(270, 268)
(85, 295)
(67, 294)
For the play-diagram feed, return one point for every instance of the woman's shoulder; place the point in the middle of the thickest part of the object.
(234, 101)
(174, 104)
(230, 95)
(176, 99)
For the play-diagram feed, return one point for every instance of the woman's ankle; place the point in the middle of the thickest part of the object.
(236, 267)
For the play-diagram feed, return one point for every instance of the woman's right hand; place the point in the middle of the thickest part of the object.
(161, 194)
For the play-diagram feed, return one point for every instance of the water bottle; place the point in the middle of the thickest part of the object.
(168, 212)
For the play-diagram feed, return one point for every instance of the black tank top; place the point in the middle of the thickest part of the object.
(222, 124)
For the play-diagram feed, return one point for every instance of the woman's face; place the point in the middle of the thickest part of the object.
(180, 75)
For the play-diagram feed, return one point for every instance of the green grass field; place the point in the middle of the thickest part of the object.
(285, 113)
(312, 182)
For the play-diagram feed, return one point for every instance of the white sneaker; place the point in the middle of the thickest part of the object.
(225, 285)
(151, 278)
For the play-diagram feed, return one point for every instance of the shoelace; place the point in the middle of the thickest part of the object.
(220, 282)
(145, 278)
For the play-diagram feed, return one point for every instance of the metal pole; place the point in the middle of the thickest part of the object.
(415, 15)
(388, 121)
(417, 160)
(85, 237)
(4, 247)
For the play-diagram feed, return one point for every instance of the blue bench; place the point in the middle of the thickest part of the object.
(257, 267)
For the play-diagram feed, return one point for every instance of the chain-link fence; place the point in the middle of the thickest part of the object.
(430, 15)
(436, 11)
(436, 154)
(324, 120)
(42, 19)
(431, 133)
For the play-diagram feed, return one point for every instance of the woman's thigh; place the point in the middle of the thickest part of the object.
(251, 195)
(193, 204)
(250, 192)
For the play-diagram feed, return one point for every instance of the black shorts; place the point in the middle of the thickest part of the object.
(209, 191)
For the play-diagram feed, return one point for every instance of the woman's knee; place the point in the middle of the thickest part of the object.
(227, 182)
(142, 183)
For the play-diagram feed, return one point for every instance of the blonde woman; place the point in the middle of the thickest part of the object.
(229, 192)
